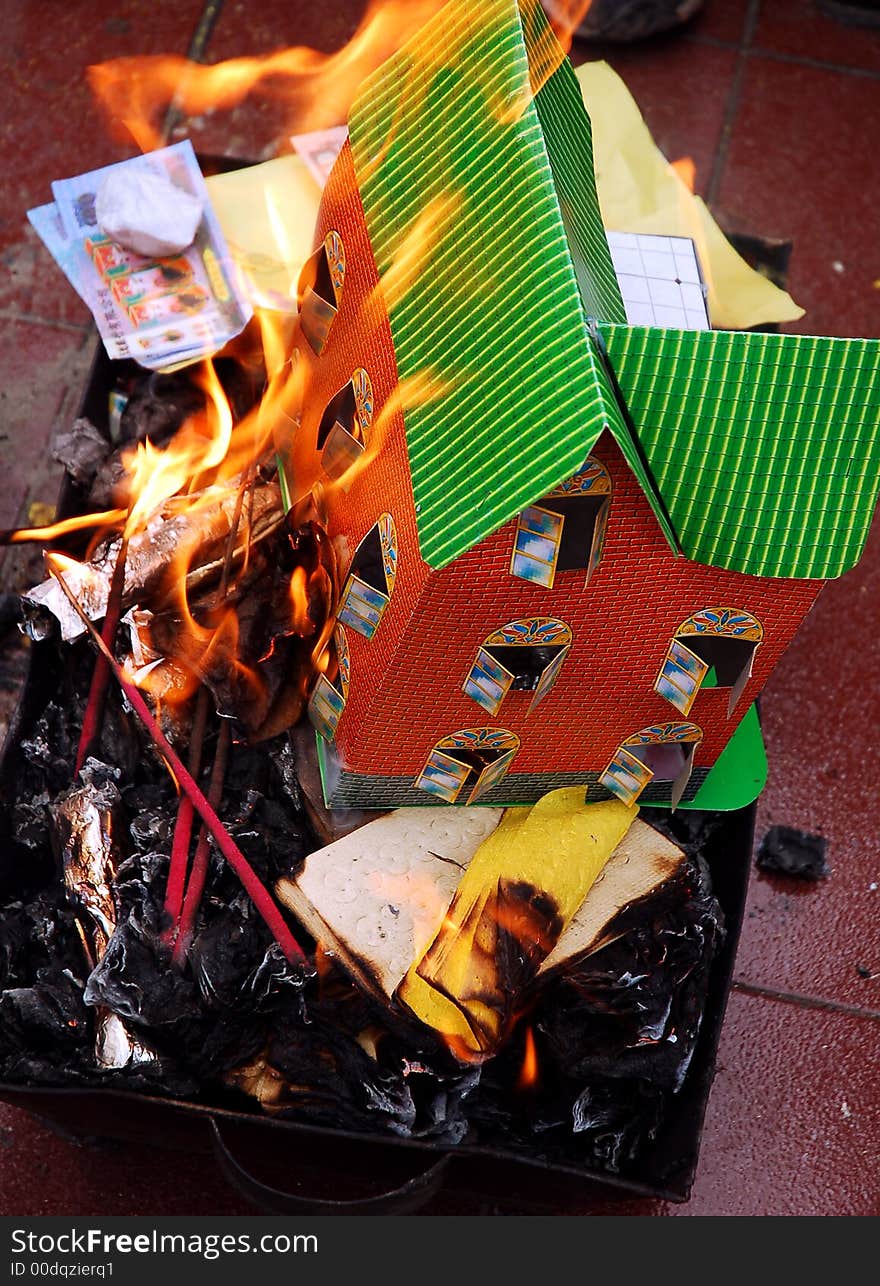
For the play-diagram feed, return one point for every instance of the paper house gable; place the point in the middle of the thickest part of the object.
(573, 548)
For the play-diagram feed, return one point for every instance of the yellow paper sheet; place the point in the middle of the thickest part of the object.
(527, 880)
(639, 191)
(268, 213)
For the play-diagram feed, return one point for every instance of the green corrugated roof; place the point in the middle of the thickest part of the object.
(759, 453)
(496, 314)
(766, 448)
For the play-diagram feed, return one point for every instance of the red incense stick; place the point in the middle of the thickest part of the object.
(257, 891)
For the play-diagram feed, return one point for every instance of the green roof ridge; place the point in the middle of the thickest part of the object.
(765, 447)
(519, 406)
(568, 136)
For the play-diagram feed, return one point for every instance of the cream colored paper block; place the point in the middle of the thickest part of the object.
(378, 896)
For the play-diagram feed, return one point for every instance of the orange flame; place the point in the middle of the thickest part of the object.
(212, 456)
(686, 170)
(317, 89)
(56, 530)
(528, 1074)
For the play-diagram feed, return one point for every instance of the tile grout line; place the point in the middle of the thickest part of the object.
(816, 64)
(779, 55)
(33, 319)
(733, 97)
(801, 1001)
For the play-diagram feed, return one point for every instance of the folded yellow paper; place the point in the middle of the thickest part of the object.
(639, 191)
(523, 886)
(267, 213)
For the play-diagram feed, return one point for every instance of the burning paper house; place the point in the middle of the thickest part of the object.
(502, 524)
(580, 545)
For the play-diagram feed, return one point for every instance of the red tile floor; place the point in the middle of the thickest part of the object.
(779, 106)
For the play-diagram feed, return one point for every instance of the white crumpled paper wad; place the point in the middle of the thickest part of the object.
(147, 213)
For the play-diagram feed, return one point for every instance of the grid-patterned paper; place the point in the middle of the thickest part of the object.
(660, 280)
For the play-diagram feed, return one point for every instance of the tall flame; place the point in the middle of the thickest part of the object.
(211, 460)
(317, 89)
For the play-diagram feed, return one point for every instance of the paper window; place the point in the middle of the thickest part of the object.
(713, 648)
(626, 777)
(319, 291)
(325, 708)
(342, 432)
(329, 695)
(488, 682)
(664, 752)
(548, 678)
(480, 756)
(680, 677)
(362, 606)
(524, 655)
(491, 776)
(370, 582)
(443, 776)
(566, 531)
(536, 545)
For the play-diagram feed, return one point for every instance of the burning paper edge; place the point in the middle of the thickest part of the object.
(643, 861)
(639, 191)
(91, 587)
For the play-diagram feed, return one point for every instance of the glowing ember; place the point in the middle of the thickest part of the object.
(528, 1074)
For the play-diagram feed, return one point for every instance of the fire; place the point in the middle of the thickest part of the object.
(528, 1074)
(57, 530)
(566, 16)
(200, 447)
(203, 480)
(686, 170)
(417, 247)
(317, 89)
(299, 601)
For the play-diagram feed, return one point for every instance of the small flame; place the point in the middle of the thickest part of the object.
(528, 1073)
(299, 601)
(686, 170)
(57, 530)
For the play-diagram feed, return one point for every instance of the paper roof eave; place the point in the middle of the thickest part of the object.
(765, 447)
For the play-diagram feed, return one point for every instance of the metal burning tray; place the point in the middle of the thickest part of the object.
(383, 1174)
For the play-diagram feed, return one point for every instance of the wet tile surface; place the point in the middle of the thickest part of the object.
(799, 171)
(793, 1126)
(799, 28)
(720, 21)
(823, 939)
(54, 362)
(260, 126)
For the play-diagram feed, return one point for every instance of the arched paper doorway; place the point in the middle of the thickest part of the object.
(525, 655)
(713, 648)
